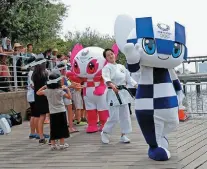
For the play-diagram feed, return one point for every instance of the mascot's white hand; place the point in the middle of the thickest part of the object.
(131, 52)
(181, 96)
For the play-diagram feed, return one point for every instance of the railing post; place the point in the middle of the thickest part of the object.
(196, 67)
(198, 89)
(183, 68)
(15, 72)
(184, 88)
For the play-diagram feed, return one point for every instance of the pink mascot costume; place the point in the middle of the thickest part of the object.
(86, 66)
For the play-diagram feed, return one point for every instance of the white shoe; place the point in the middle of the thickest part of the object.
(124, 139)
(104, 138)
(64, 146)
(53, 147)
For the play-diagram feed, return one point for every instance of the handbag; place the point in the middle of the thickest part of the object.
(16, 117)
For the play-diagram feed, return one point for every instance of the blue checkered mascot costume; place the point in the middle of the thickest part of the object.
(158, 48)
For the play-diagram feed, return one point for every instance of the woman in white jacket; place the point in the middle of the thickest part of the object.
(117, 77)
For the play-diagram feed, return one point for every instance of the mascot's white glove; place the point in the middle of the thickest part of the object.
(131, 52)
(180, 96)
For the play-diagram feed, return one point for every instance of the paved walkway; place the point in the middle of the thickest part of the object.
(86, 152)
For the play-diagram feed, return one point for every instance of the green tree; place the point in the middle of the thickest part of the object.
(32, 20)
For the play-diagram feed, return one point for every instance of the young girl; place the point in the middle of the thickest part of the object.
(68, 102)
(58, 119)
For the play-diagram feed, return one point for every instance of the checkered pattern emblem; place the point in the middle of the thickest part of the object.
(156, 90)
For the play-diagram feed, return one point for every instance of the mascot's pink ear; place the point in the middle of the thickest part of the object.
(116, 50)
(74, 52)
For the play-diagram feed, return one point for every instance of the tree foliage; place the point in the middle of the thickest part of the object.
(39, 22)
(91, 37)
(32, 20)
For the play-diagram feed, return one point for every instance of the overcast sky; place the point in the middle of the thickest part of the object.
(101, 14)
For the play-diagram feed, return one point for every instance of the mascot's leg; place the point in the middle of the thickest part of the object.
(168, 128)
(152, 129)
(92, 121)
(92, 116)
(103, 111)
(103, 116)
(170, 124)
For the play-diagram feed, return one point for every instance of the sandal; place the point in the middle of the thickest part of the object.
(73, 130)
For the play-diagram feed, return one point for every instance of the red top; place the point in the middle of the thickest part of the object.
(4, 71)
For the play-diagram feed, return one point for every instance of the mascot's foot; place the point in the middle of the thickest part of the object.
(91, 129)
(159, 154)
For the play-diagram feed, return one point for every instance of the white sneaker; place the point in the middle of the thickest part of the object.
(53, 147)
(104, 138)
(64, 146)
(124, 139)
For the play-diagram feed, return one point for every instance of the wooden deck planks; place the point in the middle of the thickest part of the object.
(86, 151)
(188, 147)
(192, 144)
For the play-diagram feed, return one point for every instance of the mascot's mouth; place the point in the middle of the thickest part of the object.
(163, 58)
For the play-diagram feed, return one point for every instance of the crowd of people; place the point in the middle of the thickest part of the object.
(12, 59)
(20, 54)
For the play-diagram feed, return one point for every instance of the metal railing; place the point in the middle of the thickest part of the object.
(17, 81)
(196, 98)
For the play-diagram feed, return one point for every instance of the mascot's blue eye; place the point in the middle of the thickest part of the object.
(149, 46)
(177, 50)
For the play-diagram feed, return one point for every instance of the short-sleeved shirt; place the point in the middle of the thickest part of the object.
(55, 100)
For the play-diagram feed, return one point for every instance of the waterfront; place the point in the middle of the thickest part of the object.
(195, 102)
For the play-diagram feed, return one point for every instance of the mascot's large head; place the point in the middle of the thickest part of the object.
(88, 62)
(160, 44)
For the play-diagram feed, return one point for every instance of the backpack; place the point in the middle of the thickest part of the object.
(16, 117)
